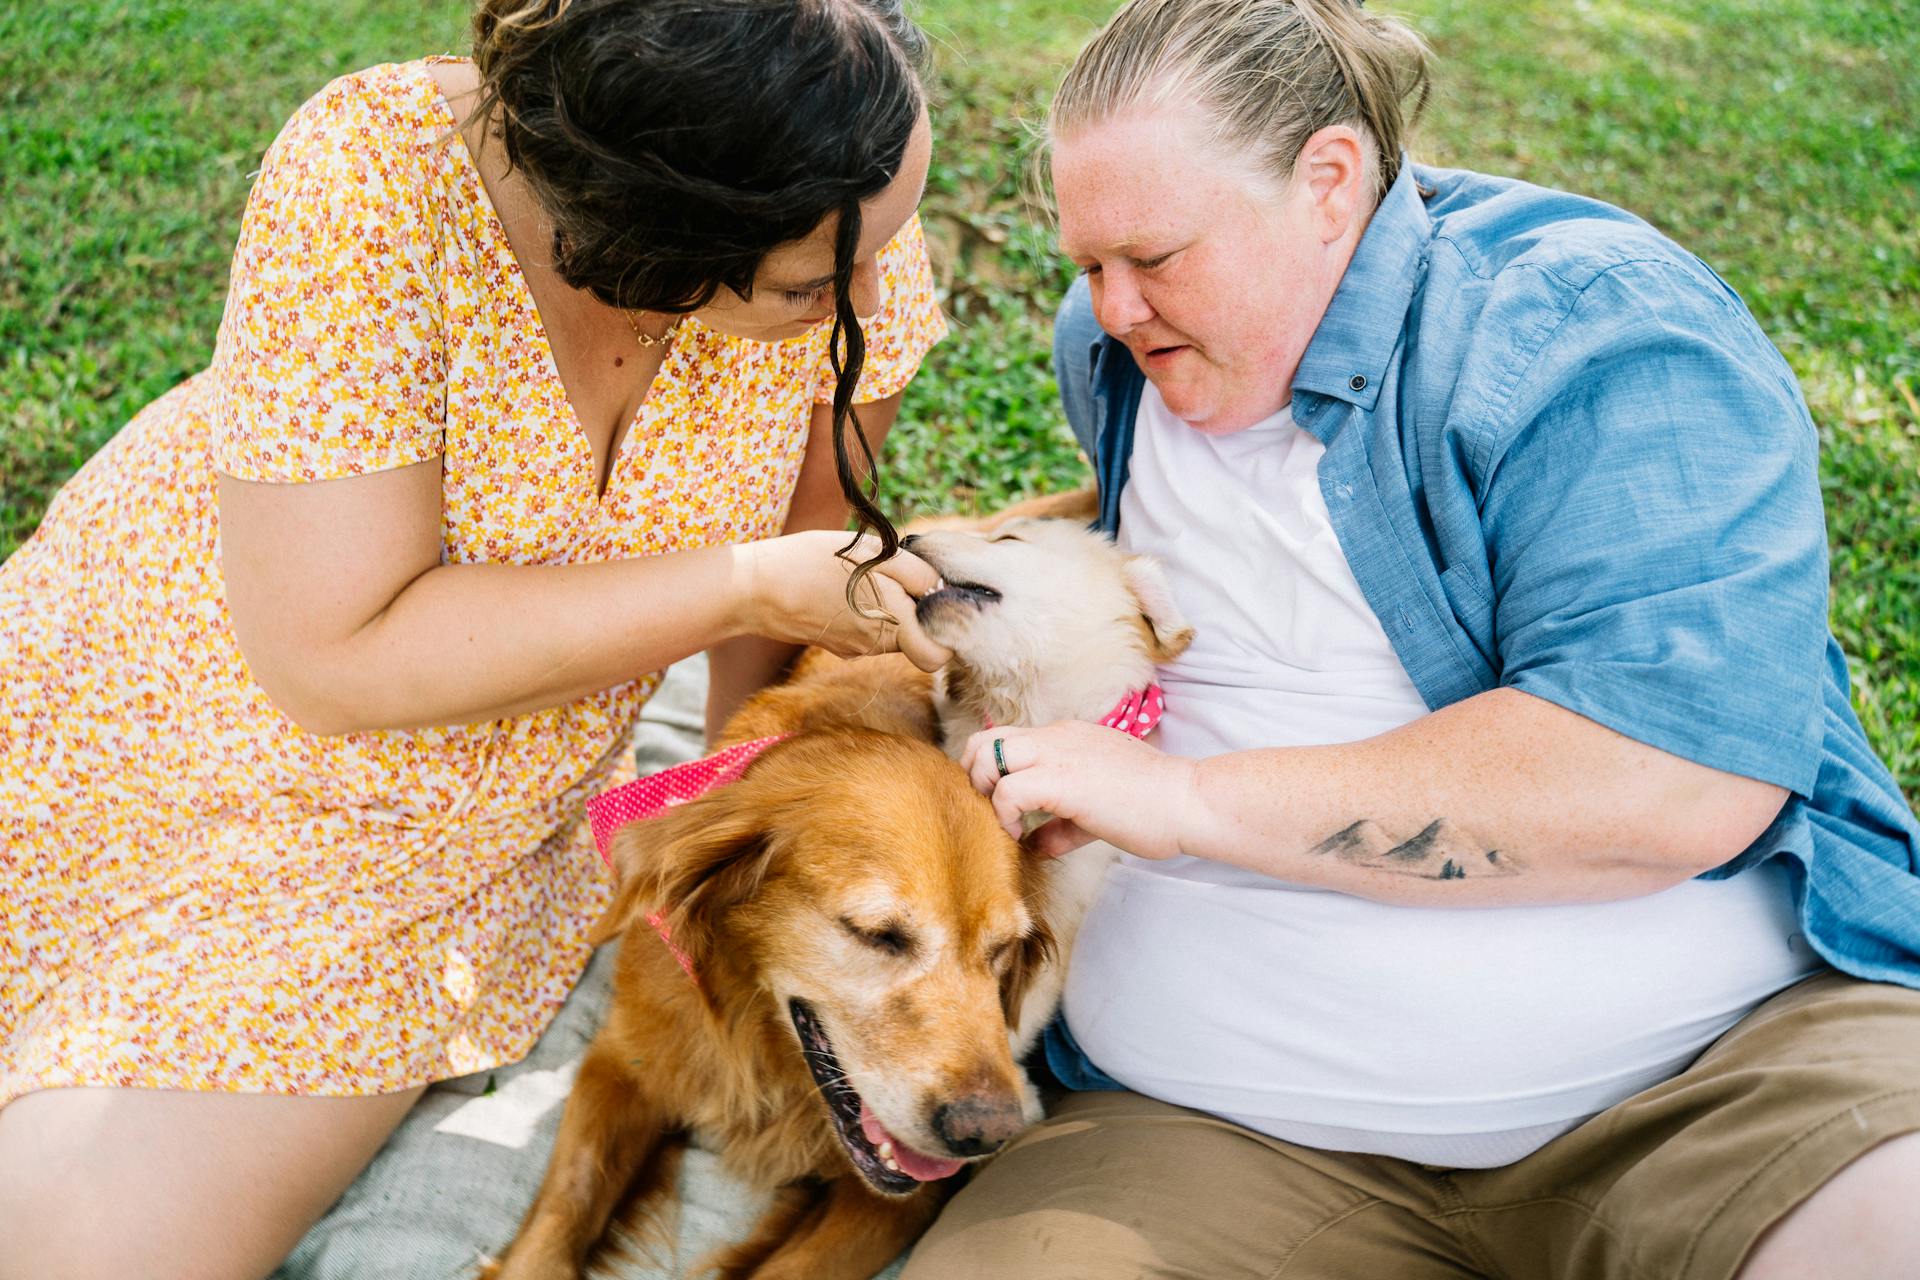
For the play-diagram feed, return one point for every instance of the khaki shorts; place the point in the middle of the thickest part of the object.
(1676, 1183)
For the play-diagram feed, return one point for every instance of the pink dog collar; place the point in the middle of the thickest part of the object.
(1137, 713)
(653, 795)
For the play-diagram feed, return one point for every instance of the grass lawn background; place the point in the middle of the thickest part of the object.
(1780, 139)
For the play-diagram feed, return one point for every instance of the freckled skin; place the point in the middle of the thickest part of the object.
(1253, 264)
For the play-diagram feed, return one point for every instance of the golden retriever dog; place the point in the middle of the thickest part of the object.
(1048, 620)
(857, 928)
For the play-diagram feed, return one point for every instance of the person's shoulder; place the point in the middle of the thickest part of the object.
(1535, 271)
(382, 122)
(1503, 227)
(1542, 289)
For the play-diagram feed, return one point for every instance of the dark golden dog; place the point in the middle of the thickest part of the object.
(859, 927)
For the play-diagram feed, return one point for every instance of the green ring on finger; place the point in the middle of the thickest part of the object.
(999, 756)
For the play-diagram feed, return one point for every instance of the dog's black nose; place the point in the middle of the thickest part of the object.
(907, 542)
(978, 1124)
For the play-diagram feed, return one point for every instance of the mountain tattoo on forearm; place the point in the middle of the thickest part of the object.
(1433, 853)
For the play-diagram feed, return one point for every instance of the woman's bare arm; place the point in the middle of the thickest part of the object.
(1500, 799)
(349, 620)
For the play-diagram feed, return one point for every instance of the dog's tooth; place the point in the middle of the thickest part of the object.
(886, 1150)
(891, 1164)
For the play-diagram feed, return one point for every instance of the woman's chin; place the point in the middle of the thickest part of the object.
(787, 331)
(1211, 410)
(1185, 399)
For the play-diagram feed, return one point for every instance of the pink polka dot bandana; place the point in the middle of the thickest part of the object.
(1138, 712)
(653, 795)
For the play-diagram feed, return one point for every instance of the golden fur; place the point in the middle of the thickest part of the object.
(853, 870)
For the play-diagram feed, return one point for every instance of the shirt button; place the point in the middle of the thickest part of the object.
(1344, 489)
(1358, 382)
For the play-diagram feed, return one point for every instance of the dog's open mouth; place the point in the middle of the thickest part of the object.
(948, 591)
(888, 1164)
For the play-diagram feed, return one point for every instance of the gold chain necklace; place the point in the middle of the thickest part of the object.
(647, 340)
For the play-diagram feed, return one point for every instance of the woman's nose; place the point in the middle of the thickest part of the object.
(1118, 303)
(868, 291)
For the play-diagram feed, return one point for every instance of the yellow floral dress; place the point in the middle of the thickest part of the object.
(196, 894)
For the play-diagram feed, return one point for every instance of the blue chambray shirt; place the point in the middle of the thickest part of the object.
(1561, 456)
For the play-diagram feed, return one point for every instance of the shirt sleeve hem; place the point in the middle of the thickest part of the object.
(1763, 754)
(298, 466)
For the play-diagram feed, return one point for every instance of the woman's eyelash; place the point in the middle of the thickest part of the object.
(803, 297)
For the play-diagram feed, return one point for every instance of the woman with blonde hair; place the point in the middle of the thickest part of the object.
(538, 372)
(1511, 890)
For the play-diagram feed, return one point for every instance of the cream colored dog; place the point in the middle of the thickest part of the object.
(1047, 621)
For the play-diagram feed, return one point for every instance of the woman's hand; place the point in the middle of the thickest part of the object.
(797, 592)
(1098, 783)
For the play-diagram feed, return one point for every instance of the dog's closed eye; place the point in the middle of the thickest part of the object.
(889, 937)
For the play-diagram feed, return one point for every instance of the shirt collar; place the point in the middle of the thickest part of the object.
(1348, 356)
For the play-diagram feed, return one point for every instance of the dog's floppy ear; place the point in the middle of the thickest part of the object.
(1030, 955)
(689, 864)
(1171, 634)
(1032, 952)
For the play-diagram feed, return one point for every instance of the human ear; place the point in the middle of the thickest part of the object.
(1332, 166)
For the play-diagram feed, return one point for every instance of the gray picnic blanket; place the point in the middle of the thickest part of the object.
(456, 1177)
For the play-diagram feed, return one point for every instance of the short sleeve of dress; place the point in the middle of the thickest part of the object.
(330, 360)
(908, 325)
(1655, 532)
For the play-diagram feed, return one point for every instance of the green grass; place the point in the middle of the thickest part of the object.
(1779, 139)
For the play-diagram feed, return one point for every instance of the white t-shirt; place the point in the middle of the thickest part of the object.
(1463, 1036)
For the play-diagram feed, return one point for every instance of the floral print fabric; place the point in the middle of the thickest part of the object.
(197, 893)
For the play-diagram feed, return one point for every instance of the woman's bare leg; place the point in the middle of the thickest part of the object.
(98, 1183)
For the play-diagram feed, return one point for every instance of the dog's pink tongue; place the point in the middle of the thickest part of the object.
(916, 1166)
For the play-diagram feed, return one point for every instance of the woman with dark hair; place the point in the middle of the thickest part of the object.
(538, 373)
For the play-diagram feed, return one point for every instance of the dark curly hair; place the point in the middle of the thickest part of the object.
(675, 143)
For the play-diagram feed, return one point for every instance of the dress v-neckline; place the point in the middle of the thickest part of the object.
(619, 445)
